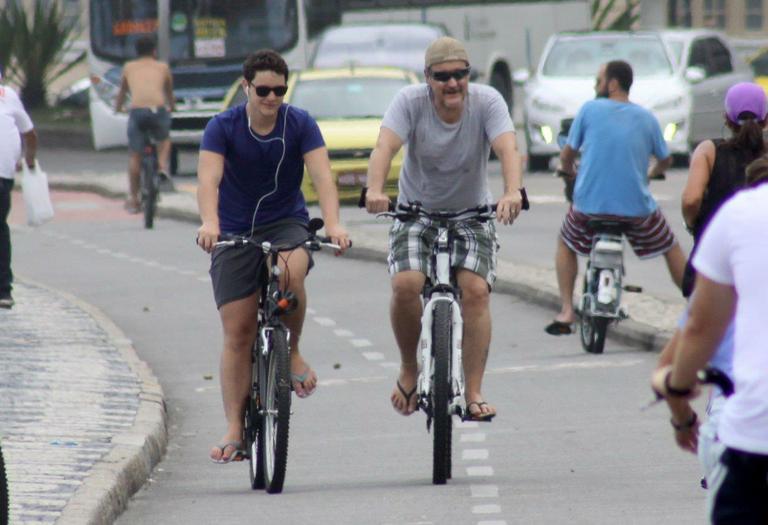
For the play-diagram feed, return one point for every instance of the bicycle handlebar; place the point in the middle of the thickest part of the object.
(415, 208)
(314, 243)
(714, 376)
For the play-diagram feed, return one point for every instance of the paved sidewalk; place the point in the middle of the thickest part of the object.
(82, 419)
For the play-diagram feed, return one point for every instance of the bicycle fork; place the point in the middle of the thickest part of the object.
(425, 346)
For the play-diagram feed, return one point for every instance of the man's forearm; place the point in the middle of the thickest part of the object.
(511, 171)
(660, 167)
(208, 202)
(328, 199)
(30, 147)
(379, 165)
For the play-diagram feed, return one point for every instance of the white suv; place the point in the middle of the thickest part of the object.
(681, 76)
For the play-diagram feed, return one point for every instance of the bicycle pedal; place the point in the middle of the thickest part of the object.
(632, 288)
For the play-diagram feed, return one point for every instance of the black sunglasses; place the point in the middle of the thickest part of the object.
(263, 91)
(445, 76)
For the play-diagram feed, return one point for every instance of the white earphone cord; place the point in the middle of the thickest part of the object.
(280, 162)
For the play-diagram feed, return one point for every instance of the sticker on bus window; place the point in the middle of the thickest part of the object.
(210, 48)
(179, 22)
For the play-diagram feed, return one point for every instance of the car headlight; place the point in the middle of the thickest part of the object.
(545, 105)
(666, 105)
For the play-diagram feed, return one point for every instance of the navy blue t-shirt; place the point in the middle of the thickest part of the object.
(250, 164)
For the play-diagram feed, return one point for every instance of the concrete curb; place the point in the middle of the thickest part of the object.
(650, 329)
(124, 470)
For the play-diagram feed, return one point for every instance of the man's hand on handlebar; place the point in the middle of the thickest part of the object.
(376, 201)
(509, 206)
(339, 235)
(207, 236)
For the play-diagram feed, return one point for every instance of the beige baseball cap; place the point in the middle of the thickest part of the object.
(445, 49)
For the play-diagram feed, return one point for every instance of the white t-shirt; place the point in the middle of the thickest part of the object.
(734, 251)
(445, 165)
(13, 120)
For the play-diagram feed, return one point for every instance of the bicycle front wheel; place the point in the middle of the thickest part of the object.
(441, 392)
(252, 430)
(275, 381)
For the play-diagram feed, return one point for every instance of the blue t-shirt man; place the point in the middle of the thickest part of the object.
(262, 174)
(616, 140)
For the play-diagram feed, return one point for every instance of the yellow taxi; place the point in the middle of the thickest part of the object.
(759, 64)
(348, 105)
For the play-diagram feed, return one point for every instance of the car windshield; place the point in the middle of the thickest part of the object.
(401, 46)
(582, 57)
(342, 98)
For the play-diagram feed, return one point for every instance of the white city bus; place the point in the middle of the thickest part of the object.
(204, 41)
(500, 35)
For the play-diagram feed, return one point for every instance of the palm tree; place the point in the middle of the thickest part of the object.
(624, 21)
(38, 48)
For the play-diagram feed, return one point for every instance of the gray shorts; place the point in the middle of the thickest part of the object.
(147, 121)
(236, 273)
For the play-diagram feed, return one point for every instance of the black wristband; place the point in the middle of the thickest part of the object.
(685, 426)
(675, 392)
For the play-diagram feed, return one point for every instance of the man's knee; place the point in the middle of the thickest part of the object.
(475, 294)
(407, 286)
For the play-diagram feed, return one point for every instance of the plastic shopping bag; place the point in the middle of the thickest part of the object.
(37, 198)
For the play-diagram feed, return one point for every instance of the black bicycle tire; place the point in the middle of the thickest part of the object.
(441, 392)
(252, 433)
(276, 396)
(150, 190)
(5, 509)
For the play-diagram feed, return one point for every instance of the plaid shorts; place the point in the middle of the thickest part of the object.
(474, 247)
(649, 236)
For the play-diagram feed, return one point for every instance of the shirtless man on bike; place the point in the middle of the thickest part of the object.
(445, 168)
(150, 85)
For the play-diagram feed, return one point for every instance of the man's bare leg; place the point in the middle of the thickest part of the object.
(238, 320)
(134, 175)
(304, 378)
(676, 264)
(567, 267)
(405, 315)
(164, 156)
(475, 304)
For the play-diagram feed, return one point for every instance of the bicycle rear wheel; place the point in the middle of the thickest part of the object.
(149, 188)
(592, 328)
(275, 392)
(4, 508)
(252, 428)
(441, 392)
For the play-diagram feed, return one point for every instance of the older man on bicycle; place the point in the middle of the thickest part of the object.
(450, 126)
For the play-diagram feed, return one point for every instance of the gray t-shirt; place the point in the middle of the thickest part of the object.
(445, 164)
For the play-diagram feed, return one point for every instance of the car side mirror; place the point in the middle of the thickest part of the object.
(695, 74)
(520, 76)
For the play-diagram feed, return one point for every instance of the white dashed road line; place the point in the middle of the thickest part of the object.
(324, 321)
(360, 343)
(341, 332)
(472, 454)
(484, 491)
(477, 437)
(486, 509)
(479, 471)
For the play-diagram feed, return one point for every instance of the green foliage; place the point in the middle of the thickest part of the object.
(6, 41)
(625, 20)
(38, 45)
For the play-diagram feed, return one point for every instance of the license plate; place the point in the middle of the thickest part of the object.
(352, 179)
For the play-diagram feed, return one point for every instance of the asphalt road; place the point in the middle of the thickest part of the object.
(570, 443)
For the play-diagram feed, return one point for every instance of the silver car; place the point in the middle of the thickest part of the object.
(686, 97)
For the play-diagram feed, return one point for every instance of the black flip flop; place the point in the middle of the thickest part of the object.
(480, 417)
(558, 328)
(407, 396)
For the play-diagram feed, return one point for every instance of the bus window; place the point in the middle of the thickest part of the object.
(200, 30)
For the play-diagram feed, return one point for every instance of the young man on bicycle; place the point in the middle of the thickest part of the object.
(250, 169)
(616, 139)
(150, 85)
(450, 126)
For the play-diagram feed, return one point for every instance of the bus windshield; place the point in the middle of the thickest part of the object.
(201, 31)
(581, 56)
